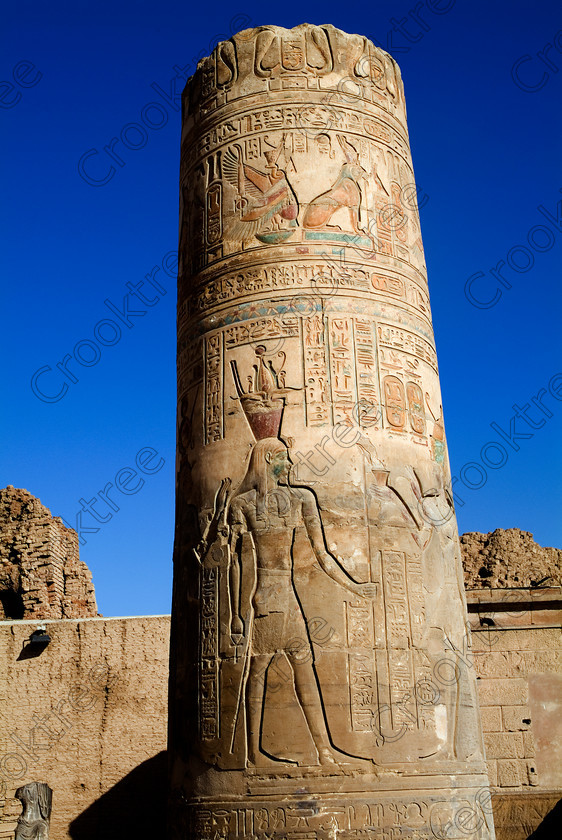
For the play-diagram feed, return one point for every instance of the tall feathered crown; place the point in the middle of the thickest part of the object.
(264, 400)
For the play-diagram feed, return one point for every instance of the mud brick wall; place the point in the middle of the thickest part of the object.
(88, 715)
(41, 574)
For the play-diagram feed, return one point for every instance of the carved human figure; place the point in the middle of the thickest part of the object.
(266, 200)
(33, 823)
(268, 508)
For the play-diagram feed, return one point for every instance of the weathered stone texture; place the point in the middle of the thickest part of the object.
(517, 816)
(87, 716)
(318, 595)
(508, 557)
(520, 693)
(41, 574)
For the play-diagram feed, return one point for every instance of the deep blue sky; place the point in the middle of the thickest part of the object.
(486, 151)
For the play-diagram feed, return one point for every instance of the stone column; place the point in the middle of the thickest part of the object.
(321, 677)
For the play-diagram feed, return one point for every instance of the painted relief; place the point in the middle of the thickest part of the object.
(344, 192)
(261, 517)
(416, 407)
(266, 203)
(318, 595)
(438, 434)
(297, 52)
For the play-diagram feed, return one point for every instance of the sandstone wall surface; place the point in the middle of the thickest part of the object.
(41, 574)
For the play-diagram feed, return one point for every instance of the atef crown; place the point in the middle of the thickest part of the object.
(264, 400)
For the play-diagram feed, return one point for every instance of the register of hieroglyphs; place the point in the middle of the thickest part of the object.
(321, 675)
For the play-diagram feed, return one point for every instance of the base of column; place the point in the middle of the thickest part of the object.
(424, 813)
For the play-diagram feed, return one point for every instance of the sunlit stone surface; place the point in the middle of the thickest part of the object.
(321, 677)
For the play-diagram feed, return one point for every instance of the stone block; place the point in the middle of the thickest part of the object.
(529, 748)
(491, 719)
(500, 692)
(492, 663)
(503, 744)
(539, 638)
(529, 768)
(492, 769)
(542, 661)
(516, 718)
(509, 774)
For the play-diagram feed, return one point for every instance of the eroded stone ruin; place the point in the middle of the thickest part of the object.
(41, 574)
(508, 558)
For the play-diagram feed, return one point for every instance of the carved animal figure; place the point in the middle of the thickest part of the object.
(344, 192)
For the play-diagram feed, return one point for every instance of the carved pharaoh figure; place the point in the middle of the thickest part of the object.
(320, 673)
(269, 508)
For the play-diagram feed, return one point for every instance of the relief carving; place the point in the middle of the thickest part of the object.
(321, 670)
(266, 202)
(262, 516)
(304, 51)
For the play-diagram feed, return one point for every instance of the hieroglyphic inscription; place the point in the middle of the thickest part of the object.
(261, 329)
(397, 610)
(214, 214)
(394, 402)
(320, 278)
(304, 121)
(315, 371)
(208, 640)
(396, 338)
(190, 365)
(424, 687)
(416, 408)
(401, 288)
(341, 369)
(415, 815)
(366, 373)
(362, 679)
(214, 387)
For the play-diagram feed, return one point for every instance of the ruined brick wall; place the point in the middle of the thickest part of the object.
(41, 574)
(508, 558)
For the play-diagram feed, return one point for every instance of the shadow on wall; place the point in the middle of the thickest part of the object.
(549, 829)
(134, 807)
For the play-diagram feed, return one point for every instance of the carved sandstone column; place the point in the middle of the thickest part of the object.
(321, 676)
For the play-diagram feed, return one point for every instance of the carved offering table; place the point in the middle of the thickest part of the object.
(321, 676)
